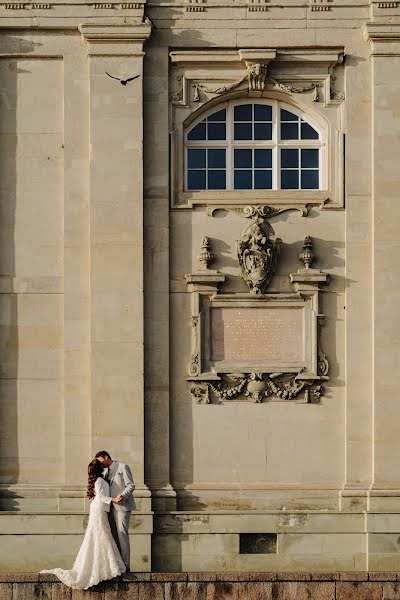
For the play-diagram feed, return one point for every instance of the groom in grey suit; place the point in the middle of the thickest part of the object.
(119, 477)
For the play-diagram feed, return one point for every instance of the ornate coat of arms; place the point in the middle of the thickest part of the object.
(258, 256)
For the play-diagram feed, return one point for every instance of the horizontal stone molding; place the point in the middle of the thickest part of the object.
(115, 40)
(384, 38)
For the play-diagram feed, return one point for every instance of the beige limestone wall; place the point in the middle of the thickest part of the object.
(32, 269)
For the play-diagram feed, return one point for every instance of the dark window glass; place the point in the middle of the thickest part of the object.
(308, 132)
(288, 116)
(262, 112)
(243, 112)
(196, 180)
(196, 158)
(216, 159)
(262, 180)
(243, 180)
(289, 131)
(216, 131)
(243, 158)
(198, 132)
(216, 180)
(289, 180)
(289, 158)
(309, 159)
(218, 116)
(263, 159)
(263, 131)
(309, 180)
(243, 131)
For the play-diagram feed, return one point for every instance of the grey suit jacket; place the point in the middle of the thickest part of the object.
(122, 484)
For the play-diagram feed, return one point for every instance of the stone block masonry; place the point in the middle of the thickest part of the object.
(211, 586)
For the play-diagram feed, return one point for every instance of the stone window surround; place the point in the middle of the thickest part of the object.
(191, 71)
(275, 143)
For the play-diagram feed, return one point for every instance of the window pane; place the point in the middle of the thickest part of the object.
(218, 116)
(263, 180)
(243, 112)
(196, 158)
(216, 159)
(289, 131)
(263, 159)
(198, 132)
(289, 158)
(308, 132)
(216, 131)
(289, 180)
(263, 131)
(243, 180)
(288, 116)
(309, 180)
(196, 180)
(216, 180)
(309, 159)
(243, 131)
(262, 112)
(243, 158)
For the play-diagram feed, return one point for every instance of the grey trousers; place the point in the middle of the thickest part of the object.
(119, 523)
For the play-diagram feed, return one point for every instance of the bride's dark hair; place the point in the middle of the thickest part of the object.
(95, 470)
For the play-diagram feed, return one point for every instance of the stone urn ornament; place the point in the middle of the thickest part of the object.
(258, 255)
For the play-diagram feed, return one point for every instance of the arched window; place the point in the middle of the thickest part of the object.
(261, 145)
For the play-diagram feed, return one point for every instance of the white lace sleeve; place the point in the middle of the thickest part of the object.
(102, 490)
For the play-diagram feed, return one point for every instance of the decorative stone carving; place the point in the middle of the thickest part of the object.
(258, 388)
(257, 75)
(206, 256)
(258, 256)
(297, 89)
(259, 210)
(307, 255)
(230, 359)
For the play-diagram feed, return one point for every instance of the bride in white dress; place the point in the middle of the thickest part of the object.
(98, 558)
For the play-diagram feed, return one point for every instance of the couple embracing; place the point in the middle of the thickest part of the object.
(105, 550)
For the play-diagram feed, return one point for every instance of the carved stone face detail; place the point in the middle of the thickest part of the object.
(258, 256)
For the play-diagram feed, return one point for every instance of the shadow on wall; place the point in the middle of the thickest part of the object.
(9, 460)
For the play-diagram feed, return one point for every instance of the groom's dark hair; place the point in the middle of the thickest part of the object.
(103, 453)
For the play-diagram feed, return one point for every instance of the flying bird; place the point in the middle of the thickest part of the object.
(123, 81)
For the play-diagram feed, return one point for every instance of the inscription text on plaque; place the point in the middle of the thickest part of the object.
(257, 335)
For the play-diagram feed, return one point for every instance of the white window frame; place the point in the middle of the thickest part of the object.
(275, 144)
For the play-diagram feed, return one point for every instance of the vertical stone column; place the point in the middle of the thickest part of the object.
(116, 243)
(384, 42)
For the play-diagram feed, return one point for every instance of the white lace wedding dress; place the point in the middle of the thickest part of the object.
(98, 558)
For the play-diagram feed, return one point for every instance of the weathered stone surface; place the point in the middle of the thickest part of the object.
(186, 591)
(122, 589)
(59, 591)
(391, 591)
(6, 591)
(29, 591)
(151, 591)
(94, 593)
(305, 591)
(358, 591)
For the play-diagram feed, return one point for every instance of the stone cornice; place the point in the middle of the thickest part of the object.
(384, 38)
(115, 40)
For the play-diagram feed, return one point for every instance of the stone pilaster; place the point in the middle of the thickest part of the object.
(384, 40)
(116, 243)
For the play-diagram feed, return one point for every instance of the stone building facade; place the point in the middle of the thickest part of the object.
(199, 273)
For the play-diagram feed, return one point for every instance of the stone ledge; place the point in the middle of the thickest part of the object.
(237, 576)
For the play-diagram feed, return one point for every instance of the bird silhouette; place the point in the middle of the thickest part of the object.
(123, 81)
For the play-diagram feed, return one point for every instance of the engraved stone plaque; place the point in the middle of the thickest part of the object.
(257, 335)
